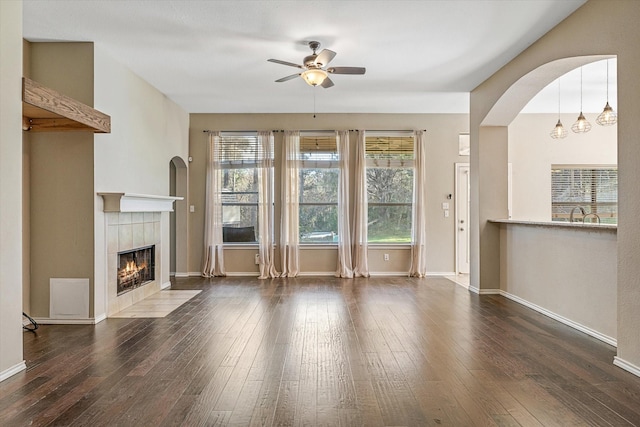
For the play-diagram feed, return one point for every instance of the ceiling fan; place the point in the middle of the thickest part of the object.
(315, 72)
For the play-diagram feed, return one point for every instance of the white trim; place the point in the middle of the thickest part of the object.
(627, 366)
(389, 274)
(240, 246)
(485, 291)
(12, 370)
(50, 321)
(195, 274)
(243, 274)
(181, 274)
(456, 213)
(100, 318)
(317, 273)
(392, 246)
(131, 202)
(575, 325)
(440, 273)
(318, 246)
(165, 285)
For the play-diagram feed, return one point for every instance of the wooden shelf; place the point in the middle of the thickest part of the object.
(46, 110)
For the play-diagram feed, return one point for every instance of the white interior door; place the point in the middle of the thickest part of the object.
(463, 194)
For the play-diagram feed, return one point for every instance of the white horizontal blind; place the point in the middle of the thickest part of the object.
(240, 150)
(594, 188)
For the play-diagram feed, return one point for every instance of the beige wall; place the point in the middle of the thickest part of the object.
(617, 34)
(11, 360)
(567, 271)
(442, 140)
(532, 152)
(61, 178)
(147, 131)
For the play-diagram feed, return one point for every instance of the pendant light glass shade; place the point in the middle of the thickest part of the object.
(581, 125)
(558, 131)
(608, 116)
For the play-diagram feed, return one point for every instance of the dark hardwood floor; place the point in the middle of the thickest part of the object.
(322, 351)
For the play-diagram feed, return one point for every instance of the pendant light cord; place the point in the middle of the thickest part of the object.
(581, 89)
(607, 81)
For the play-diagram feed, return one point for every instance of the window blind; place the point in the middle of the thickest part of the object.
(389, 151)
(594, 188)
(318, 151)
(240, 151)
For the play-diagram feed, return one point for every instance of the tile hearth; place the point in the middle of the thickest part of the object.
(159, 304)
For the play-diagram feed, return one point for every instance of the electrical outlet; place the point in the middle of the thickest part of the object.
(386, 257)
(445, 206)
(446, 214)
(257, 259)
(192, 208)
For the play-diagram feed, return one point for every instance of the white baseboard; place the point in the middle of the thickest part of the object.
(165, 285)
(195, 274)
(100, 318)
(389, 274)
(484, 291)
(243, 274)
(12, 370)
(575, 325)
(627, 366)
(183, 274)
(317, 273)
(49, 321)
(444, 273)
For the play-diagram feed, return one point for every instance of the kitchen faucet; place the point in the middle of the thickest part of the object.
(574, 210)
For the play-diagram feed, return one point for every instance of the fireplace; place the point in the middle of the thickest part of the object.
(135, 268)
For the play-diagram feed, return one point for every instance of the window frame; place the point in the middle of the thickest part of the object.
(229, 163)
(330, 149)
(405, 160)
(591, 206)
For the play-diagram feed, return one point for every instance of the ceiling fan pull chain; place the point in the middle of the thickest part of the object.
(314, 101)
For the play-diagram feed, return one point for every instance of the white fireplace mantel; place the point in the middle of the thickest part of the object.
(131, 202)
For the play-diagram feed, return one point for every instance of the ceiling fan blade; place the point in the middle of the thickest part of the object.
(290, 64)
(346, 70)
(284, 79)
(327, 83)
(325, 57)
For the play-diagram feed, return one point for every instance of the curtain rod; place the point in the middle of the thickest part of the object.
(318, 130)
(386, 130)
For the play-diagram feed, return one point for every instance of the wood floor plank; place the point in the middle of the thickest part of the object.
(311, 351)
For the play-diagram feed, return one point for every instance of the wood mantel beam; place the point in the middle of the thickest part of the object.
(46, 110)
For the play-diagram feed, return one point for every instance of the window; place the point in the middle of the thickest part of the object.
(318, 174)
(389, 188)
(595, 189)
(239, 163)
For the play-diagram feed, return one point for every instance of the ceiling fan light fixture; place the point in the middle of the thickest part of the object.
(314, 76)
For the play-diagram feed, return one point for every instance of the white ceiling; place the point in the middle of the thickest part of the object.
(211, 56)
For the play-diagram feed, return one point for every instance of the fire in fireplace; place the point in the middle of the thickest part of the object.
(135, 268)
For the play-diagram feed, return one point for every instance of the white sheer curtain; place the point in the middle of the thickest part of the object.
(265, 205)
(344, 237)
(213, 258)
(289, 228)
(360, 245)
(419, 232)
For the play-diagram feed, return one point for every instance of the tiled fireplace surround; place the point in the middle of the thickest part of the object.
(127, 231)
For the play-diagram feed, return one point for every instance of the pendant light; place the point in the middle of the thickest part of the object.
(581, 125)
(558, 131)
(608, 116)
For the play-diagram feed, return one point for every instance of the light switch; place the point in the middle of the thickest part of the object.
(445, 206)
(192, 208)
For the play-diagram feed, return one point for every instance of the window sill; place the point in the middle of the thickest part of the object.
(318, 246)
(389, 245)
(251, 245)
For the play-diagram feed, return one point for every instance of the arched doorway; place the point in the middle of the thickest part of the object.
(178, 186)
